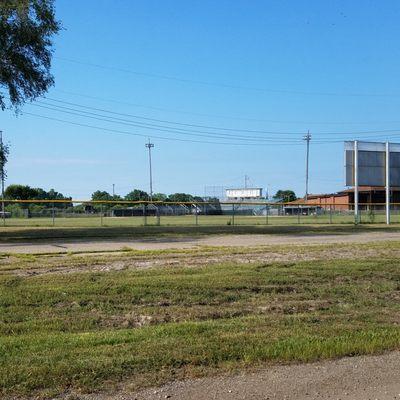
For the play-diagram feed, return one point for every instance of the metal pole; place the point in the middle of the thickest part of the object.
(144, 215)
(2, 179)
(387, 183)
(307, 138)
(233, 214)
(101, 214)
(53, 214)
(246, 178)
(356, 213)
(197, 214)
(113, 189)
(266, 214)
(150, 146)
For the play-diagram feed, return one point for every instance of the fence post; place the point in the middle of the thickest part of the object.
(266, 214)
(233, 215)
(298, 214)
(4, 212)
(144, 215)
(101, 214)
(196, 215)
(53, 214)
(158, 216)
(330, 214)
(3, 209)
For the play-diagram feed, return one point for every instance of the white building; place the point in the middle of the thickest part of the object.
(244, 194)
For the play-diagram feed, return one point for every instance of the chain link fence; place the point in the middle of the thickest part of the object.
(68, 213)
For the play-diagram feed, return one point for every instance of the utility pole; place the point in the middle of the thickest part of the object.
(150, 146)
(2, 178)
(113, 192)
(307, 138)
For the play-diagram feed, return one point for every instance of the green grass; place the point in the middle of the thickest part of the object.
(31, 233)
(90, 331)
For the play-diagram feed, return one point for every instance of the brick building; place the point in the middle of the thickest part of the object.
(369, 197)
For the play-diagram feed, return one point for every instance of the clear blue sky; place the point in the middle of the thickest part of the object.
(279, 66)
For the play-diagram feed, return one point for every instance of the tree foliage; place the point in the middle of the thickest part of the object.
(25, 192)
(137, 195)
(4, 152)
(101, 195)
(26, 31)
(180, 197)
(285, 195)
(159, 197)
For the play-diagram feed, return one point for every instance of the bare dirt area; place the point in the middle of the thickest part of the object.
(355, 378)
(65, 263)
(187, 242)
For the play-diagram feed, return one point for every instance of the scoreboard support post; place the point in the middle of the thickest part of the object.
(356, 213)
(387, 170)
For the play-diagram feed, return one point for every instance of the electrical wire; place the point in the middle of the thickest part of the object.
(174, 122)
(115, 131)
(152, 127)
(251, 140)
(361, 132)
(223, 85)
(232, 117)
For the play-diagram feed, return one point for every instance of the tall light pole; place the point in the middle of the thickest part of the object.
(307, 138)
(150, 146)
(2, 178)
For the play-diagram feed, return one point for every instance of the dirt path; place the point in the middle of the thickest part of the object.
(70, 245)
(356, 378)
(28, 265)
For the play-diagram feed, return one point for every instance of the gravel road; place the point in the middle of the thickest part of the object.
(71, 245)
(355, 378)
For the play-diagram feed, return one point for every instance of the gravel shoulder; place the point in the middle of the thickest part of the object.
(355, 378)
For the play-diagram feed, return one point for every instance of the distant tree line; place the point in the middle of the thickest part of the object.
(26, 192)
(140, 195)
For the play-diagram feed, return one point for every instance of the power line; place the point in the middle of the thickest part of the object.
(171, 122)
(146, 125)
(212, 127)
(246, 140)
(153, 127)
(223, 85)
(119, 132)
(231, 117)
(143, 124)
